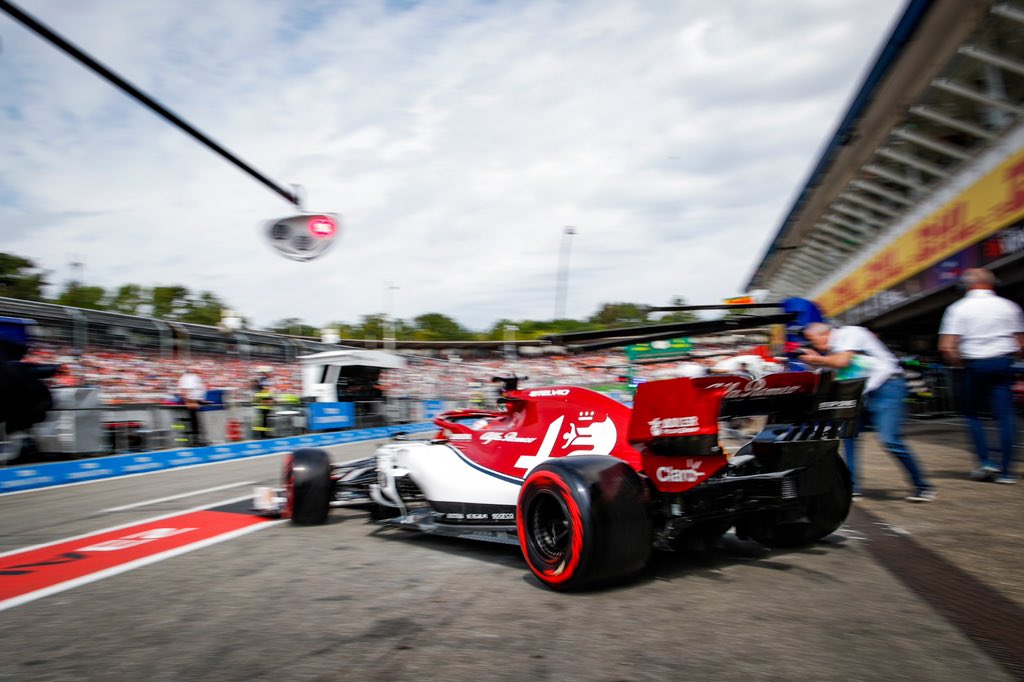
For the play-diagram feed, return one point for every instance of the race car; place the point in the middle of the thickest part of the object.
(587, 486)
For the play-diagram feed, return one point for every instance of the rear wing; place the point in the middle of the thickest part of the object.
(680, 416)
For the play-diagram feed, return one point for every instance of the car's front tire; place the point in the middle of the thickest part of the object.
(582, 522)
(307, 480)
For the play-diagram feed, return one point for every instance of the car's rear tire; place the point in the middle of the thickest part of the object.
(823, 513)
(307, 479)
(582, 522)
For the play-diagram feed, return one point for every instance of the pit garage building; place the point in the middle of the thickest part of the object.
(923, 178)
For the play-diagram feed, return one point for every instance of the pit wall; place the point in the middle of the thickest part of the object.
(35, 476)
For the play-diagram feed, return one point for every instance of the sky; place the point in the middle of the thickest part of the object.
(457, 140)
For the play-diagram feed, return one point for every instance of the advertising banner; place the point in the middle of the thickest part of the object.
(1004, 244)
(990, 204)
(32, 476)
(432, 408)
(324, 416)
(671, 348)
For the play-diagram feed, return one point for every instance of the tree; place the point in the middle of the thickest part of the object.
(295, 327)
(611, 315)
(369, 327)
(169, 302)
(176, 302)
(78, 295)
(438, 327)
(203, 309)
(130, 299)
(20, 278)
(679, 315)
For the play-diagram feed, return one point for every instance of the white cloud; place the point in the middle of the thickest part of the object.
(456, 138)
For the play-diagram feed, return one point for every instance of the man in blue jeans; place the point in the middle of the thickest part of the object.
(854, 352)
(981, 333)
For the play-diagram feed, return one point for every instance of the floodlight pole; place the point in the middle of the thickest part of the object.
(389, 319)
(562, 279)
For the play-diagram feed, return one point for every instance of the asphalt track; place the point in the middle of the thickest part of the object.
(346, 601)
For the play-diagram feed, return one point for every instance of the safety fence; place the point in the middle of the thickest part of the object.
(933, 391)
(30, 477)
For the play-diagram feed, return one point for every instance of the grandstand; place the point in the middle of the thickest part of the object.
(95, 330)
(923, 178)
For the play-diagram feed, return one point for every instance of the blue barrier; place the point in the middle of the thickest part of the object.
(31, 477)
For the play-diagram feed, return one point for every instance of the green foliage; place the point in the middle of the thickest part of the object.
(202, 309)
(293, 326)
(130, 299)
(370, 327)
(438, 327)
(79, 295)
(169, 302)
(680, 315)
(612, 315)
(20, 278)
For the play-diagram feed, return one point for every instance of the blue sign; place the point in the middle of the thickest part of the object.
(432, 408)
(323, 416)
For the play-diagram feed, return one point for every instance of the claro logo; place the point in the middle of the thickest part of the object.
(691, 474)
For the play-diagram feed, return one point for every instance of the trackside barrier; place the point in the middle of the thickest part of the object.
(31, 477)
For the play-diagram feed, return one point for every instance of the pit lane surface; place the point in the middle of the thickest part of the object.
(347, 601)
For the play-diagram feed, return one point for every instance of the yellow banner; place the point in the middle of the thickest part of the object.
(993, 202)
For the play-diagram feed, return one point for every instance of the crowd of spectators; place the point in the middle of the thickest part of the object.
(127, 377)
(145, 377)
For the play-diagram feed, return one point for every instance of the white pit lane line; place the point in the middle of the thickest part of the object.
(132, 565)
(169, 498)
(128, 524)
(138, 563)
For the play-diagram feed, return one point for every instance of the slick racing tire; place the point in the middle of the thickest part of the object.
(307, 481)
(823, 512)
(582, 522)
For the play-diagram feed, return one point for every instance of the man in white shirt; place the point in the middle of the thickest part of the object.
(981, 333)
(192, 393)
(854, 352)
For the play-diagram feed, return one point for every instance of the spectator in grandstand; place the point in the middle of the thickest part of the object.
(981, 333)
(192, 393)
(854, 352)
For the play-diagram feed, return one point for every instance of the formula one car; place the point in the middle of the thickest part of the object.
(587, 486)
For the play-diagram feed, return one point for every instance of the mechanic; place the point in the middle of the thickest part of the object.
(263, 402)
(980, 334)
(854, 352)
(192, 393)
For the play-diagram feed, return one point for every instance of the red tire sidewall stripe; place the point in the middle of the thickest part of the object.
(289, 487)
(572, 561)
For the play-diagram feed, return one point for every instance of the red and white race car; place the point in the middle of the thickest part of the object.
(588, 486)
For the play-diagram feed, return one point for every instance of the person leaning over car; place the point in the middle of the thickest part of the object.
(981, 333)
(854, 352)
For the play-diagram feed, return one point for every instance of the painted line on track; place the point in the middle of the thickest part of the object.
(34, 573)
(127, 524)
(169, 498)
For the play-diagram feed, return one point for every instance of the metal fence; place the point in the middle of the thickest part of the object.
(933, 391)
